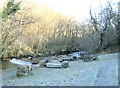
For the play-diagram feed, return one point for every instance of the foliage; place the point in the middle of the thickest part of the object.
(11, 29)
(11, 8)
(28, 32)
(105, 22)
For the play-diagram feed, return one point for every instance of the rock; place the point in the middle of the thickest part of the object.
(42, 63)
(35, 62)
(23, 70)
(74, 58)
(81, 56)
(57, 64)
(84, 53)
(67, 59)
(30, 58)
(19, 62)
(87, 58)
(95, 57)
(65, 64)
(54, 61)
(75, 55)
(54, 65)
(64, 58)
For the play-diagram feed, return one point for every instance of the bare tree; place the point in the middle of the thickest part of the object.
(104, 21)
(11, 30)
(12, 26)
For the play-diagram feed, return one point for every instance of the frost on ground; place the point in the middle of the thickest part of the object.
(102, 72)
(0, 78)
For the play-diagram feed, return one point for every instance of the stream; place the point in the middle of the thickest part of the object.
(6, 65)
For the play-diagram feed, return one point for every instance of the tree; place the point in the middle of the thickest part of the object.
(10, 9)
(12, 26)
(104, 21)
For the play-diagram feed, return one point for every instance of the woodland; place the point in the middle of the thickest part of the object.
(27, 30)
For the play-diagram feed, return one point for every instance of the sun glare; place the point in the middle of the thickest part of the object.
(78, 9)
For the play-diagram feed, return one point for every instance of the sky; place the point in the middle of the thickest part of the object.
(78, 9)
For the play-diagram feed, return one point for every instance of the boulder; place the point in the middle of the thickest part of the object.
(65, 64)
(30, 58)
(23, 70)
(54, 65)
(95, 57)
(87, 58)
(57, 64)
(75, 55)
(42, 63)
(67, 59)
(35, 62)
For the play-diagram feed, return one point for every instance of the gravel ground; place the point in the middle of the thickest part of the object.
(102, 72)
(0, 78)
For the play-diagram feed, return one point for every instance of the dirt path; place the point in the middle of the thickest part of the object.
(107, 75)
(103, 72)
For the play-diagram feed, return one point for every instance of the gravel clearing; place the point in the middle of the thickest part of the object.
(102, 72)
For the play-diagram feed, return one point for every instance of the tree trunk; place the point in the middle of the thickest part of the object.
(101, 41)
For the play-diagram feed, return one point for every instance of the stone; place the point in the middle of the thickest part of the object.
(95, 57)
(87, 58)
(23, 70)
(54, 65)
(54, 61)
(30, 58)
(81, 56)
(35, 62)
(73, 58)
(65, 64)
(57, 64)
(66, 59)
(75, 55)
(42, 63)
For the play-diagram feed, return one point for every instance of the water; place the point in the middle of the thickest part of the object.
(6, 65)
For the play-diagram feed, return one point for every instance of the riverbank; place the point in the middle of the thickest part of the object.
(102, 72)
